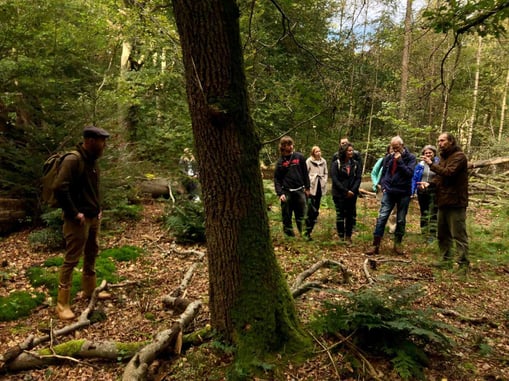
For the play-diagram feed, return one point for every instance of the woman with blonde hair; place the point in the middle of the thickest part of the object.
(318, 174)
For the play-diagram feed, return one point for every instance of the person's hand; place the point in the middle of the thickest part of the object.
(307, 192)
(423, 184)
(282, 198)
(349, 194)
(426, 159)
(397, 155)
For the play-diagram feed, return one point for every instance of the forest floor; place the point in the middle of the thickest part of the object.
(480, 301)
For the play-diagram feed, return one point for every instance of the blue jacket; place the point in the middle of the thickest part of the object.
(399, 183)
(419, 170)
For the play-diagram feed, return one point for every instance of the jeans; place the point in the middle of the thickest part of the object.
(389, 201)
(452, 228)
(80, 240)
(295, 204)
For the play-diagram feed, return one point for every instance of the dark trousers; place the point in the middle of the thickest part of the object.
(345, 215)
(295, 204)
(313, 210)
(428, 211)
(452, 228)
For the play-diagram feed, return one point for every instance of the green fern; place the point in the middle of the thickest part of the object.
(384, 322)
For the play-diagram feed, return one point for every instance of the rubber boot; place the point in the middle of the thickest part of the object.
(63, 304)
(376, 246)
(88, 284)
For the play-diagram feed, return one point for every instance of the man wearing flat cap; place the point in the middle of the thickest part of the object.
(77, 191)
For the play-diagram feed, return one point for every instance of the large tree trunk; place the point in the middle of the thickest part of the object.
(250, 302)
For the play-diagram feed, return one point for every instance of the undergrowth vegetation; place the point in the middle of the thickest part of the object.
(385, 322)
(18, 304)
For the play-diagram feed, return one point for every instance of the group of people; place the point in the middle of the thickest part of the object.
(440, 183)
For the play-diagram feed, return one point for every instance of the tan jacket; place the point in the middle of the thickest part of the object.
(317, 170)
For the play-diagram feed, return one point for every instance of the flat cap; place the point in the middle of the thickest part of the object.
(95, 132)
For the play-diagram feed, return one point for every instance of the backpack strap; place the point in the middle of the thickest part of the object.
(80, 161)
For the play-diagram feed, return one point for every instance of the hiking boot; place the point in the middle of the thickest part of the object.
(63, 304)
(375, 250)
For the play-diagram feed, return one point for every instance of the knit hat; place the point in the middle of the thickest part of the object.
(429, 147)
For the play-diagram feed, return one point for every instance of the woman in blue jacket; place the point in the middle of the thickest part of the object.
(426, 196)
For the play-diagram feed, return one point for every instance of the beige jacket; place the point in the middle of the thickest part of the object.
(317, 170)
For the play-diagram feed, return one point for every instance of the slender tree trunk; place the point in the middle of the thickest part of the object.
(447, 90)
(250, 302)
(474, 97)
(405, 59)
(503, 108)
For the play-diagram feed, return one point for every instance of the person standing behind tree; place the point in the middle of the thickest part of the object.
(396, 182)
(291, 182)
(451, 183)
(345, 173)
(318, 175)
(76, 188)
(426, 195)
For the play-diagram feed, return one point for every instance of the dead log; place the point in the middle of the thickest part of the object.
(73, 349)
(137, 367)
(12, 213)
(488, 162)
(31, 342)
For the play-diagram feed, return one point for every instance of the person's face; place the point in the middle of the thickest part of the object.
(349, 153)
(429, 153)
(317, 153)
(287, 148)
(397, 147)
(343, 142)
(96, 146)
(443, 142)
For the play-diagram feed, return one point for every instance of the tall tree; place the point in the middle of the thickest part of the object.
(250, 302)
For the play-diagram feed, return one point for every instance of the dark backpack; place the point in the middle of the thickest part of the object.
(49, 174)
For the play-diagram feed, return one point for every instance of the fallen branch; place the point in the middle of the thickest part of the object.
(137, 367)
(181, 289)
(327, 263)
(373, 263)
(468, 319)
(32, 342)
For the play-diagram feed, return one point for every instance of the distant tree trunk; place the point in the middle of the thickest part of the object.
(405, 59)
(250, 301)
(447, 90)
(474, 97)
(503, 108)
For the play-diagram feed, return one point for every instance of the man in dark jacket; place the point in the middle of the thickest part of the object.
(76, 188)
(291, 182)
(396, 183)
(451, 182)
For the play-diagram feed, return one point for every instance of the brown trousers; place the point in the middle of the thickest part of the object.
(80, 240)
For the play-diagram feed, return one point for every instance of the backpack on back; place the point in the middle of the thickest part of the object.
(50, 172)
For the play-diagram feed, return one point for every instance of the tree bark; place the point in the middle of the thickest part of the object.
(405, 59)
(250, 301)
